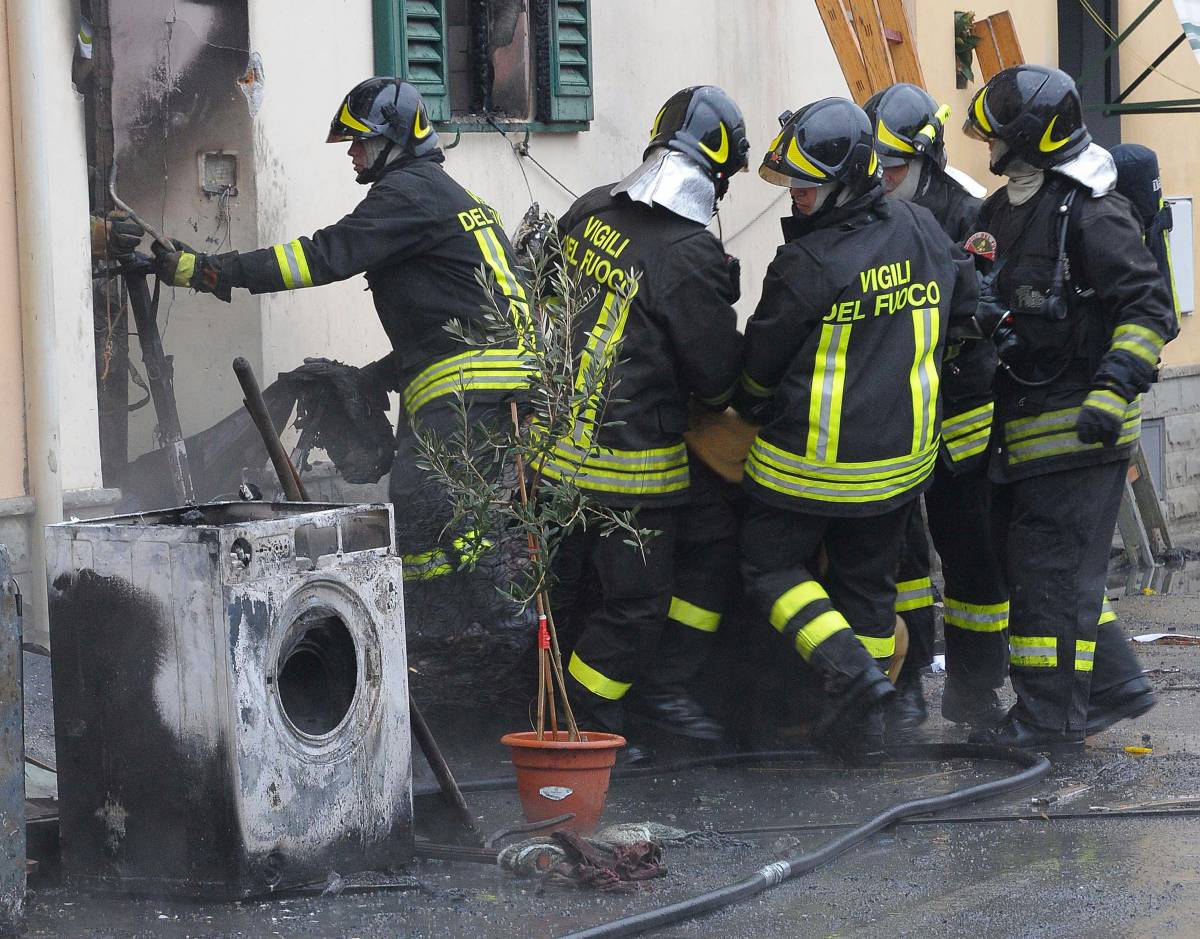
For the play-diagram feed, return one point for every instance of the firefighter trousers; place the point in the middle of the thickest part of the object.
(707, 580)
(975, 610)
(1053, 534)
(914, 593)
(620, 632)
(857, 592)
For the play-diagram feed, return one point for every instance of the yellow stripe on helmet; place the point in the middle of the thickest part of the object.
(796, 157)
(980, 116)
(887, 138)
(351, 121)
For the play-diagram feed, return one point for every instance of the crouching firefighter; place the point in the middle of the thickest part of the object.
(662, 317)
(842, 357)
(1079, 313)
(421, 239)
(911, 143)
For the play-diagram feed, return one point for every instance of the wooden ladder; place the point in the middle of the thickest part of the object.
(1140, 520)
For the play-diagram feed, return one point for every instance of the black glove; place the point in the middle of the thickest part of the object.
(1101, 417)
(184, 267)
(115, 235)
(377, 379)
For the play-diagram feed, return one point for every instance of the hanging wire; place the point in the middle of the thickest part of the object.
(1108, 31)
(516, 153)
(770, 206)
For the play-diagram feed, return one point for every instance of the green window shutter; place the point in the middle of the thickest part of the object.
(410, 43)
(570, 66)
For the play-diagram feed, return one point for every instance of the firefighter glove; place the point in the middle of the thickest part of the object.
(184, 267)
(1101, 417)
(115, 235)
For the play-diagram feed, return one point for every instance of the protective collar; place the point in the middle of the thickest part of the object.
(911, 185)
(1024, 181)
(675, 182)
(1094, 168)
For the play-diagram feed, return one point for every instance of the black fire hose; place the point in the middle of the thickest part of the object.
(1034, 767)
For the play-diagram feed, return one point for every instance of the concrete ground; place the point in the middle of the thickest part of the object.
(1102, 875)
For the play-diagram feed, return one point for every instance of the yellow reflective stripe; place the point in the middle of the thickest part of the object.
(1061, 444)
(185, 269)
(1053, 433)
(759, 391)
(707, 621)
(285, 269)
(884, 135)
(877, 647)
(1108, 401)
(637, 476)
(1085, 655)
(598, 684)
(793, 601)
(351, 121)
(818, 630)
(1166, 235)
(828, 386)
(770, 474)
(425, 565)
(971, 445)
(1139, 341)
(867, 471)
(923, 378)
(510, 285)
(797, 158)
(1107, 613)
(1033, 651)
(1051, 421)
(722, 398)
(297, 250)
(914, 594)
(601, 347)
(477, 370)
(980, 115)
(976, 617)
(958, 424)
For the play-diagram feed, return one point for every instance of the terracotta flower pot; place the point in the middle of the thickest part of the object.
(556, 775)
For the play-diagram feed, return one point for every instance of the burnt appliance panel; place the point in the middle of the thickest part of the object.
(231, 698)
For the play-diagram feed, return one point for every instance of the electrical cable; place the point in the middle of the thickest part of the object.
(770, 206)
(1033, 767)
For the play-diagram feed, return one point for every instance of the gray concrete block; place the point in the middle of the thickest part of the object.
(14, 533)
(1183, 431)
(1183, 502)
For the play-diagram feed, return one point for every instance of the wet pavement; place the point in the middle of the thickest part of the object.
(1101, 875)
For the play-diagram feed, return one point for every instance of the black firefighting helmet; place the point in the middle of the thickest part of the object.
(829, 141)
(704, 123)
(908, 124)
(1035, 111)
(388, 108)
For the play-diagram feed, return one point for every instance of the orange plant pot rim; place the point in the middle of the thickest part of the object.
(589, 740)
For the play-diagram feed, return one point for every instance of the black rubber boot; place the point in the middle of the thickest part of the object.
(674, 711)
(854, 683)
(1125, 701)
(1015, 732)
(979, 707)
(907, 710)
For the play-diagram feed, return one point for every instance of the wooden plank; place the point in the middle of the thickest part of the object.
(845, 47)
(865, 17)
(905, 62)
(987, 56)
(1007, 44)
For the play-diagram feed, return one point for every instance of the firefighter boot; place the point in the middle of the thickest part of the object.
(673, 710)
(854, 684)
(1125, 701)
(1014, 731)
(907, 710)
(962, 704)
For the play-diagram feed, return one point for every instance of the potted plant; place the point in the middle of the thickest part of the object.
(493, 478)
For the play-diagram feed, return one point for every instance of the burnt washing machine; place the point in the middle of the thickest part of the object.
(230, 697)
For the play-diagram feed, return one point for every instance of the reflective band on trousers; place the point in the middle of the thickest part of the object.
(293, 265)
(813, 629)
(797, 476)
(878, 647)
(1033, 651)
(1085, 655)
(598, 684)
(914, 594)
(1107, 613)
(1053, 434)
(977, 617)
(427, 565)
(694, 616)
(478, 370)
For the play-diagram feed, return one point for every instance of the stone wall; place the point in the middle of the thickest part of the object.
(1176, 400)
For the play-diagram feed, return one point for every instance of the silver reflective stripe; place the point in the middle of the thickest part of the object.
(289, 252)
(1026, 652)
(917, 594)
(821, 450)
(1085, 655)
(835, 492)
(924, 377)
(955, 615)
(836, 471)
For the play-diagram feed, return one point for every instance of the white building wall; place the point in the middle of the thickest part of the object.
(771, 55)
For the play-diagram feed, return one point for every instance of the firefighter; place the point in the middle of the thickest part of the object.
(910, 141)
(421, 239)
(841, 365)
(1079, 313)
(663, 297)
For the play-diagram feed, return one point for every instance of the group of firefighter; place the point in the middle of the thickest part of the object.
(909, 341)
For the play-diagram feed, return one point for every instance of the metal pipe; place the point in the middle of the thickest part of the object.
(293, 489)
(31, 31)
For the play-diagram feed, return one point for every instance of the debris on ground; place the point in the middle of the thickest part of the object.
(570, 859)
(1167, 639)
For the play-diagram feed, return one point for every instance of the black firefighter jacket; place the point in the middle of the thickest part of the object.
(661, 323)
(421, 239)
(843, 356)
(969, 365)
(1103, 351)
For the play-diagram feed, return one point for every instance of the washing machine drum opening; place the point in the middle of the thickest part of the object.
(318, 674)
